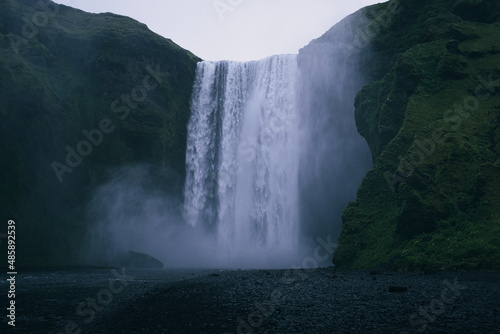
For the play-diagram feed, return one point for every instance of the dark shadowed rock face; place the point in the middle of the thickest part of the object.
(82, 93)
(431, 118)
(133, 259)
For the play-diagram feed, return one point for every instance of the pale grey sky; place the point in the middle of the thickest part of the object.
(232, 29)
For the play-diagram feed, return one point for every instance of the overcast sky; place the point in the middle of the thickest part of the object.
(232, 29)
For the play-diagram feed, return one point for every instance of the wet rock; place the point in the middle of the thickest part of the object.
(394, 288)
(133, 259)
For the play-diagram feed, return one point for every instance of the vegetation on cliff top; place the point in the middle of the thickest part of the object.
(431, 116)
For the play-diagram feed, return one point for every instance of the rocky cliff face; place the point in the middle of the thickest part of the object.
(80, 94)
(431, 116)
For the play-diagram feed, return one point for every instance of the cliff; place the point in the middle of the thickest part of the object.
(430, 113)
(81, 94)
(85, 94)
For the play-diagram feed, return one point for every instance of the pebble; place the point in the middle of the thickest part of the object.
(305, 301)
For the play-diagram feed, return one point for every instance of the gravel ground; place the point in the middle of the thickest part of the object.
(47, 301)
(258, 301)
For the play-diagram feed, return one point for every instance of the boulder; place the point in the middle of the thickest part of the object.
(133, 259)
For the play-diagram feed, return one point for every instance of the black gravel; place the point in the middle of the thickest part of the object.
(264, 301)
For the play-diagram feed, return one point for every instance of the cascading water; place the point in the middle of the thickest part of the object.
(243, 156)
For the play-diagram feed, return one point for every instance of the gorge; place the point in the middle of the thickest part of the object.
(205, 162)
(273, 156)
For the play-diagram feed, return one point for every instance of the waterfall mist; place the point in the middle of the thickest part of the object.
(273, 158)
(138, 209)
(334, 157)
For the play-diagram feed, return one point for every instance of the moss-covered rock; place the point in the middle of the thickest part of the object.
(430, 117)
(102, 86)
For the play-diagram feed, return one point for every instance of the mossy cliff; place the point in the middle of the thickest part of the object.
(431, 116)
(81, 93)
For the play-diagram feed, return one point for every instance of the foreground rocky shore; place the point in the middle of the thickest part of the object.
(257, 301)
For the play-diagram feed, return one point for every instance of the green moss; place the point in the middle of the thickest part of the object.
(432, 199)
(463, 245)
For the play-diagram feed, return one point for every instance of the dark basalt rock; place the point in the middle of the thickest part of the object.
(133, 259)
(394, 288)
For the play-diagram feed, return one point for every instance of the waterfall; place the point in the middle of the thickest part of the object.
(242, 156)
(273, 158)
